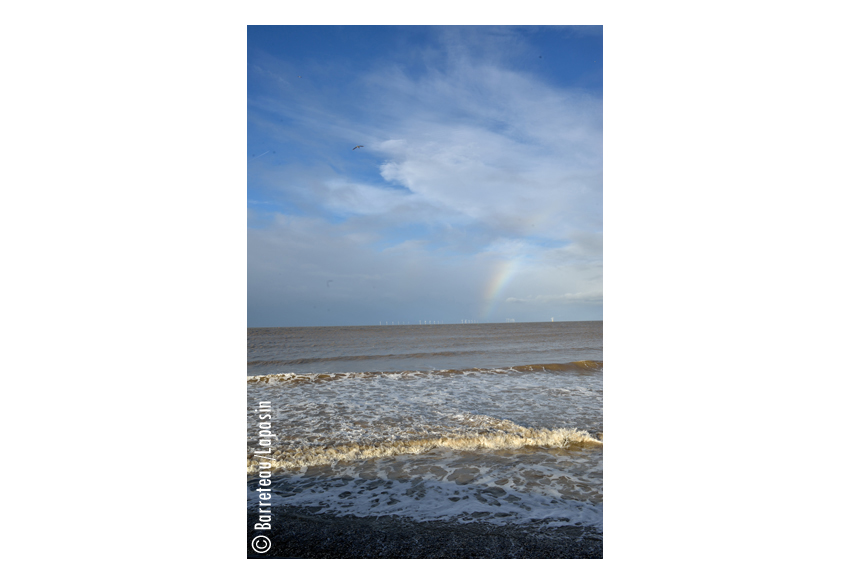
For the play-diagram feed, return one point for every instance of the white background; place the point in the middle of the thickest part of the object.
(124, 247)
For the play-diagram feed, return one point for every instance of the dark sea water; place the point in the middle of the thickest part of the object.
(496, 423)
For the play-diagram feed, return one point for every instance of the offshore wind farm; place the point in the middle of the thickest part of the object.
(421, 322)
(430, 322)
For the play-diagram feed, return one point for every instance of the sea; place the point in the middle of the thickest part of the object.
(488, 423)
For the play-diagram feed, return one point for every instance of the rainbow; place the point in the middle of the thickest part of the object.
(493, 291)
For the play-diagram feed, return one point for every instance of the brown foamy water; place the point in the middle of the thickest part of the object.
(498, 423)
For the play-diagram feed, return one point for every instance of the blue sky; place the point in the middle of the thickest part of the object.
(477, 194)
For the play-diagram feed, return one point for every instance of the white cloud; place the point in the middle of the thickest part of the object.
(475, 143)
(495, 147)
(496, 176)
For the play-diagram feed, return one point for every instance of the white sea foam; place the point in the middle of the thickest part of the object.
(502, 435)
(376, 409)
(493, 445)
(424, 499)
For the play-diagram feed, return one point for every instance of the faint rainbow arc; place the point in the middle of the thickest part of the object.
(494, 288)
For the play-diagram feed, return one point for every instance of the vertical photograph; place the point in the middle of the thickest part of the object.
(424, 292)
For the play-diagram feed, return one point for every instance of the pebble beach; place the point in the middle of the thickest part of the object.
(301, 532)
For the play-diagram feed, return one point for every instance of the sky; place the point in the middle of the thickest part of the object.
(476, 194)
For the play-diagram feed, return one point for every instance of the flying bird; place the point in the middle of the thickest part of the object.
(356, 147)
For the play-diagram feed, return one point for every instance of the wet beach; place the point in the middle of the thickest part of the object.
(301, 532)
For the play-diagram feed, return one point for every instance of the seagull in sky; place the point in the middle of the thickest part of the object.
(356, 147)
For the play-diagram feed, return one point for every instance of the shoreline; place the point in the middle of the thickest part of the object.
(303, 532)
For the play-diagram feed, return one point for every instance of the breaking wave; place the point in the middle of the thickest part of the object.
(295, 378)
(495, 435)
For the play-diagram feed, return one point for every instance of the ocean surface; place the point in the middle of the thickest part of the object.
(496, 423)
